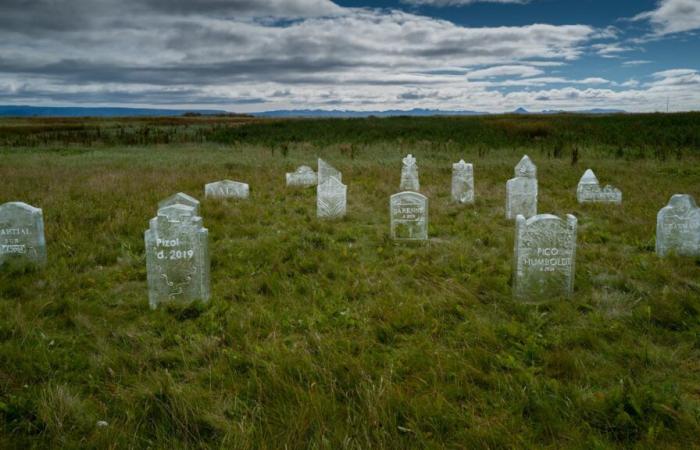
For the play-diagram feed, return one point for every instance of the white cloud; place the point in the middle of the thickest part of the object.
(636, 62)
(673, 16)
(501, 71)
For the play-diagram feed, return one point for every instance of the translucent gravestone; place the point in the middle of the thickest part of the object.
(304, 176)
(177, 257)
(589, 191)
(180, 199)
(545, 255)
(331, 199)
(678, 227)
(521, 191)
(226, 189)
(409, 174)
(22, 234)
(325, 171)
(409, 216)
(462, 182)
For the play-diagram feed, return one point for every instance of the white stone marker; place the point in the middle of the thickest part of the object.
(22, 234)
(678, 227)
(331, 199)
(409, 174)
(304, 176)
(180, 199)
(409, 216)
(589, 190)
(545, 256)
(226, 189)
(462, 182)
(177, 257)
(521, 191)
(325, 171)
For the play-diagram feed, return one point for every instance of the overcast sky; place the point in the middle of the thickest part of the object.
(256, 55)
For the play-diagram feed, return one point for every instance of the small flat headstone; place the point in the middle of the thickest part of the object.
(678, 227)
(177, 257)
(589, 190)
(545, 255)
(22, 234)
(521, 191)
(409, 216)
(325, 171)
(180, 199)
(409, 174)
(304, 176)
(462, 182)
(331, 198)
(226, 189)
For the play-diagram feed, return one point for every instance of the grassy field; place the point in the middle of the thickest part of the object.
(327, 334)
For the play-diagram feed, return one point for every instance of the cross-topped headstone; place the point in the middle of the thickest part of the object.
(521, 191)
(589, 190)
(180, 199)
(331, 198)
(678, 227)
(325, 171)
(409, 216)
(462, 182)
(226, 189)
(304, 176)
(409, 174)
(177, 257)
(545, 256)
(22, 234)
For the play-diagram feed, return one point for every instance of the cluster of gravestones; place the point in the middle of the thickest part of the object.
(177, 254)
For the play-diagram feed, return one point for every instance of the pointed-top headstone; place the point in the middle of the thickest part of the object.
(325, 171)
(409, 174)
(588, 178)
(182, 199)
(678, 227)
(22, 234)
(331, 198)
(526, 168)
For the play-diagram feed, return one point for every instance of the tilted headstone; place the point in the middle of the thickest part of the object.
(521, 191)
(678, 227)
(226, 189)
(409, 216)
(545, 256)
(325, 171)
(462, 182)
(177, 257)
(304, 176)
(409, 174)
(180, 199)
(331, 198)
(589, 190)
(22, 234)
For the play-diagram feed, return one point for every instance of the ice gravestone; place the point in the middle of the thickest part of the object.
(545, 256)
(226, 189)
(678, 227)
(589, 190)
(304, 176)
(409, 174)
(180, 199)
(409, 216)
(331, 198)
(521, 191)
(177, 257)
(462, 182)
(325, 171)
(22, 234)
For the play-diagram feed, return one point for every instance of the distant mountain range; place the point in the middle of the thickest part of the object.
(54, 111)
(51, 111)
